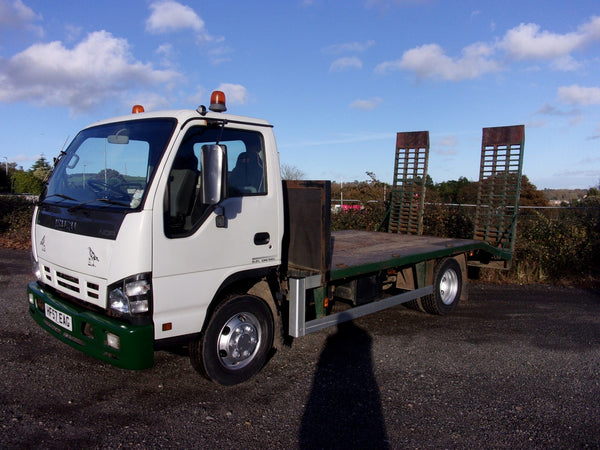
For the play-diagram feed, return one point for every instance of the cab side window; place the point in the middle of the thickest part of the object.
(246, 175)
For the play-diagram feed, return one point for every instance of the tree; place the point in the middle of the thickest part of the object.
(7, 171)
(429, 182)
(291, 172)
(26, 183)
(4, 181)
(530, 195)
(372, 176)
(467, 194)
(41, 168)
(449, 190)
(41, 163)
(592, 198)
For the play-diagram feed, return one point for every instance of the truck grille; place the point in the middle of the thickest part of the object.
(82, 287)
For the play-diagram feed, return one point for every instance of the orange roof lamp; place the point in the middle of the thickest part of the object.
(217, 102)
(137, 109)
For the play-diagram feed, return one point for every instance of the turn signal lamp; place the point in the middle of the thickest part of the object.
(137, 109)
(217, 102)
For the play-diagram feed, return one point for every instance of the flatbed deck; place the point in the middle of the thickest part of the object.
(360, 252)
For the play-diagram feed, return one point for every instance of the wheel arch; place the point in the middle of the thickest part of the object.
(260, 283)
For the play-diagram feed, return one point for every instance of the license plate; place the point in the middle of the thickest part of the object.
(59, 318)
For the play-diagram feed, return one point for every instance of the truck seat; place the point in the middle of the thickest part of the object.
(182, 183)
(248, 175)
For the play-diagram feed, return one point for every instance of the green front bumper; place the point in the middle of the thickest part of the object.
(91, 332)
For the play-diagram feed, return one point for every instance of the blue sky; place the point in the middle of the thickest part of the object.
(337, 79)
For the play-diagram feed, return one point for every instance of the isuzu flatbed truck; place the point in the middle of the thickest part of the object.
(175, 227)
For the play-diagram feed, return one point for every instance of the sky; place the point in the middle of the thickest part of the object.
(337, 79)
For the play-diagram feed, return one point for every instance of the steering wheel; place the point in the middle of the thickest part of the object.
(116, 189)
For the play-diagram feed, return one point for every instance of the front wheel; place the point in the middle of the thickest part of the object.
(447, 287)
(236, 342)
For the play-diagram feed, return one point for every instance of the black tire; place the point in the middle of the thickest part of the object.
(415, 305)
(447, 288)
(237, 341)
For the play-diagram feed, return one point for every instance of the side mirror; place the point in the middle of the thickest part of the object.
(214, 173)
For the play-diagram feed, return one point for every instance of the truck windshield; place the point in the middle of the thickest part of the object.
(109, 165)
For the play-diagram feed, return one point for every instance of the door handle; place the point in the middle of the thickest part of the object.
(262, 238)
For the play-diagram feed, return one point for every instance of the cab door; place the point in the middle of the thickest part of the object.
(197, 246)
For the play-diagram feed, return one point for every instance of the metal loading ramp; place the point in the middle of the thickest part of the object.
(408, 191)
(499, 186)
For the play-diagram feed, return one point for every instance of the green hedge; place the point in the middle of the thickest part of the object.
(557, 245)
(553, 245)
(15, 221)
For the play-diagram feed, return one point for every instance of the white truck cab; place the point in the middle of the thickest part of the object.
(145, 219)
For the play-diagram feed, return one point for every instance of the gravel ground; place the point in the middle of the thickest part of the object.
(514, 367)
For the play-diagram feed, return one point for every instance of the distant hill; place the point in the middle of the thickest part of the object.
(564, 195)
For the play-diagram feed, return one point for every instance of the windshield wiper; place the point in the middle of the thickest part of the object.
(103, 200)
(63, 196)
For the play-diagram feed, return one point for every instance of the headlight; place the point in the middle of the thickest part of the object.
(131, 296)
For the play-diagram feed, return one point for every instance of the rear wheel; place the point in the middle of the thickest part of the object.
(236, 342)
(447, 287)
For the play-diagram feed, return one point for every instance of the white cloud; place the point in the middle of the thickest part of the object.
(475, 13)
(198, 97)
(565, 63)
(341, 64)
(349, 47)
(579, 95)
(574, 116)
(234, 93)
(151, 101)
(366, 105)
(549, 110)
(165, 49)
(536, 123)
(168, 16)
(167, 55)
(527, 41)
(430, 61)
(73, 33)
(219, 53)
(446, 145)
(448, 141)
(80, 78)
(16, 14)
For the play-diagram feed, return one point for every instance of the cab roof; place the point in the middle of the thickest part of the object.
(182, 116)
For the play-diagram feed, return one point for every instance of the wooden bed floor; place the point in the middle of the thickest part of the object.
(352, 248)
